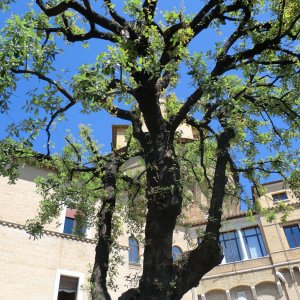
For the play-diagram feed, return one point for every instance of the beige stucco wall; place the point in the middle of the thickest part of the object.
(257, 277)
(28, 267)
(19, 202)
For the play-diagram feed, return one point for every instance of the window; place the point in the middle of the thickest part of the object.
(231, 247)
(176, 253)
(241, 295)
(133, 251)
(70, 223)
(280, 197)
(292, 234)
(242, 244)
(68, 287)
(254, 242)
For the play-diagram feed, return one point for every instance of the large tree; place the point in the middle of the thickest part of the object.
(242, 98)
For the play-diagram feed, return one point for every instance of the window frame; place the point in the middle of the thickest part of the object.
(260, 240)
(67, 273)
(294, 225)
(84, 231)
(222, 241)
(131, 251)
(280, 193)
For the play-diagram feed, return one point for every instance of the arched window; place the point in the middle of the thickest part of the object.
(176, 252)
(133, 251)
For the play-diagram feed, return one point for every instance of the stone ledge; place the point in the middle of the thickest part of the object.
(49, 232)
(56, 234)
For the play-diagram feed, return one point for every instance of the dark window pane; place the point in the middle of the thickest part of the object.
(176, 252)
(279, 197)
(69, 225)
(231, 246)
(133, 251)
(292, 234)
(296, 234)
(66, 296)
(289, 236)
(67, 288)
(264, 251)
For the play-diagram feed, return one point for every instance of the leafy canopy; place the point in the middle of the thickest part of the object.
(242, 86)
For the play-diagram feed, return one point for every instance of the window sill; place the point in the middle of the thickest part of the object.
(134, 265)
(76, 235)
(281, 200)
(245, 260)
(294, 248)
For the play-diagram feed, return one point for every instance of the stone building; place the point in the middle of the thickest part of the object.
(261, 259)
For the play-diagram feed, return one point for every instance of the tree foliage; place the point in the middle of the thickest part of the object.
(242, 99)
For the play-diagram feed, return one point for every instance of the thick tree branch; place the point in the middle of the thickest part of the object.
(280, 17)
(228, 62)
(118, 18)
(238, 32)
(149, 7)
(194, 264)
(121, 113)
(202, 163)
(235, 174)
(90, 15)
(93, 33)
(134, 181)
(186, 107)
(203, 12)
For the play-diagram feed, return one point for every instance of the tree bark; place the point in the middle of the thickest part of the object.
(104, 226)
(196, 263)
(164, 196)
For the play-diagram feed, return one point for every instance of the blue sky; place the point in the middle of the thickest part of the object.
(74, 55)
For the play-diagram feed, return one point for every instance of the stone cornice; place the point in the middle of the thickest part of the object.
(56, 234)
(49, 232)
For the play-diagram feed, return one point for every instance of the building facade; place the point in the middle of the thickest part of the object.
(261, 259)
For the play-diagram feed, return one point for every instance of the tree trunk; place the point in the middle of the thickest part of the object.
(161, 279)
(196, 263)
(99, 275)
(164, 196)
